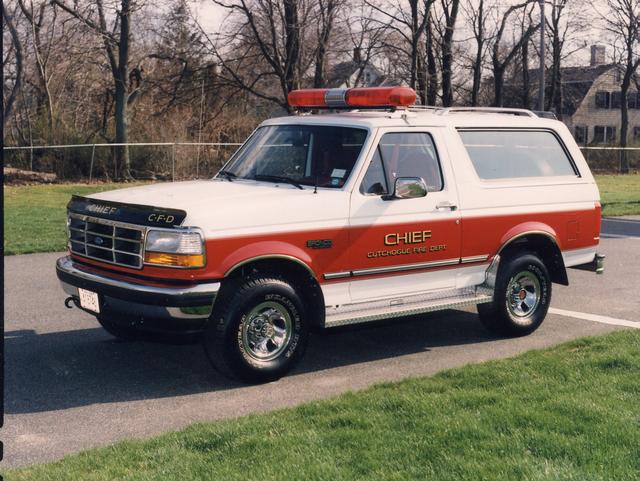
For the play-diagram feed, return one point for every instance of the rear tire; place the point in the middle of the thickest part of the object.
(257, 330)
(521, 298)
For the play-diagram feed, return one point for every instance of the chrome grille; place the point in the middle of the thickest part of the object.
(106, 241)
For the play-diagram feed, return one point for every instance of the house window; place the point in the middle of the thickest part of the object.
(602, 99)
(632, 100)
(604, 134)
(617, 77)
(636, 134)
(581, 134)
(616, 98)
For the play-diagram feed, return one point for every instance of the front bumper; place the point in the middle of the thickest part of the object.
(153, 306)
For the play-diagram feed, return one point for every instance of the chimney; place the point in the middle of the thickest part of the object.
(597, 55)
(357, 58)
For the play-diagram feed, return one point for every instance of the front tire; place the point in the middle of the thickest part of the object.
(257, 331)
(521, 298)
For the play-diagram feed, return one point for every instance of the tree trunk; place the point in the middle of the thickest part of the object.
(447, 90)
(292, 45)
(323, 42)
(624, 116)
(498, 86)
(422, 81)
(432, 68)
(526, 84)
(121, 79)
(7, 106)
(477, 63)
(415, 38)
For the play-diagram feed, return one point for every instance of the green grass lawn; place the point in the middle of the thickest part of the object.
(620, 194)
(35, 215)
(567, 413)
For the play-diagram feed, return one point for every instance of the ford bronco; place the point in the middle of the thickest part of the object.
(374, 210)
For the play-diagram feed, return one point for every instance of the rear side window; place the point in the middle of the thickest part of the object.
(513, 154)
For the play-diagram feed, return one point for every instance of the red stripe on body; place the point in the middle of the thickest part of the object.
(485, 235)
(350, 245)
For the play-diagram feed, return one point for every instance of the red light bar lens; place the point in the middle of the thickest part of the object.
(381, 97)
(308, 98)
(355, 97)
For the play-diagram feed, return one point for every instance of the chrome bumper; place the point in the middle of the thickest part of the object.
(76, 275)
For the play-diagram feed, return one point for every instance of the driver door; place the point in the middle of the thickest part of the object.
(411, 245)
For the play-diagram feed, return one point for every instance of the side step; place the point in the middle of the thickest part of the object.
(406, 306)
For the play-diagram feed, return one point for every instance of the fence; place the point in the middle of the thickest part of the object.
(184, 160)
(604, 160)
(148, 160)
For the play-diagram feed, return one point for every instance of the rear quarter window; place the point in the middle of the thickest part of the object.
(512, 154)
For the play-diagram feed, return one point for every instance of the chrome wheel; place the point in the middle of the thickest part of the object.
(523, 296)
(266, 331)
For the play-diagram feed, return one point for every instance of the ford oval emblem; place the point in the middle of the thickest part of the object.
(98, 241)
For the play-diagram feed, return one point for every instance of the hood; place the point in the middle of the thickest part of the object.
(222, 208)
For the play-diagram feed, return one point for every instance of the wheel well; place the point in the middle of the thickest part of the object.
(545, 248)
(297, 274)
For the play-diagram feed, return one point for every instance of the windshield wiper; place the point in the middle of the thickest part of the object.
(278, 178)
(228, 175)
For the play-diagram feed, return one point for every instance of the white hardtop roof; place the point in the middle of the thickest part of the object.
(369, 119)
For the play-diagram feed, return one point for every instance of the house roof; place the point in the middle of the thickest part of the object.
(342, 72)
(576, 82)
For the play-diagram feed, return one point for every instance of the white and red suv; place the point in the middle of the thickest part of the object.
(321, 220)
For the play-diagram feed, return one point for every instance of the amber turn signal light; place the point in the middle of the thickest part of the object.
(174, 260)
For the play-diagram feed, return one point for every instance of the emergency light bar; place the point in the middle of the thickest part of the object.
(364, 97)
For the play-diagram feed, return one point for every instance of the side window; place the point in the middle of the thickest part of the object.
(516, 154)
(602, 99)
(581, 134)
(403, 154)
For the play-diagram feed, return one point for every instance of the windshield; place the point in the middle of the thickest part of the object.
(299, 154)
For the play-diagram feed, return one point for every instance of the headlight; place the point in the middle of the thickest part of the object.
(174, 248)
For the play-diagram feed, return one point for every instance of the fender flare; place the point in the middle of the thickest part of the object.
(267, 250)
(553, 259)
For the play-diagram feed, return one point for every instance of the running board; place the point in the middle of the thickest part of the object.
(406, 306)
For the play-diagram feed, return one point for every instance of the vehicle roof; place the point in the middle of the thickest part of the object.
(421, 118)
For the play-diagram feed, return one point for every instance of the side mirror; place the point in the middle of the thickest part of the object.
(407, 188)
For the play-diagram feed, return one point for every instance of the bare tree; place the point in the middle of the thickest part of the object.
(41, 50)
(367, 37)
(327, 11)
(565, 27)
(16, 50)
(501, 60)
(263, 41)
(410, 26)
(525, 91)
(432, 66)
(622, 20)
(450, 12)
(117, 45)
(477, 15)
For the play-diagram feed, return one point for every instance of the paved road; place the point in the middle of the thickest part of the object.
(628, 226)
(70, 386)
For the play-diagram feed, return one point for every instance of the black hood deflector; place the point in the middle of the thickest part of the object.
(129, 213)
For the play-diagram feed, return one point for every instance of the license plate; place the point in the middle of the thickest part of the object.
(89, 300)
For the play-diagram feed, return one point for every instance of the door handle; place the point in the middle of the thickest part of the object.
(446, 205)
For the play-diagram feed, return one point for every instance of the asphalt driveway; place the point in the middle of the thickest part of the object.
(70, 386)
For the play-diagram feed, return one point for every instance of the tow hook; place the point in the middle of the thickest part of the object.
(69, 300)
